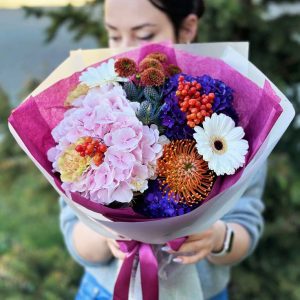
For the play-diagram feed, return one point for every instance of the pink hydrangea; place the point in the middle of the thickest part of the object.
(133, 149)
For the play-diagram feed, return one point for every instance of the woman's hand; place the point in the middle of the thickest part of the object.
(199, 246)
(115, 249)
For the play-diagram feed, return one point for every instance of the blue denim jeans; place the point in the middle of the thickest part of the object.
(222, 296)
(90, 289)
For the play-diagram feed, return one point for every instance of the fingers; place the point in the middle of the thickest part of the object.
(115, 250)
(185, 260)
(195, 246)
(194, 249)
(115, 243)
(193, 243)
(203, 235)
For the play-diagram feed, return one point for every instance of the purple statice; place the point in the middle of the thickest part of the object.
(155, 204)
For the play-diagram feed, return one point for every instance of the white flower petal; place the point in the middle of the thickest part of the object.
(208, 126)
(101, 75)
(227, 124)
(236, 133)
(200, 135)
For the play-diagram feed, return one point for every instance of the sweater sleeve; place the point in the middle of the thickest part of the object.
(68, 219)
(248, 210)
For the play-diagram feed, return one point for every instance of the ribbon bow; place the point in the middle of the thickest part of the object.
(148, 267)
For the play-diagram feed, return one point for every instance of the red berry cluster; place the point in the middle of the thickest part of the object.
(196, 106)
(93, 148)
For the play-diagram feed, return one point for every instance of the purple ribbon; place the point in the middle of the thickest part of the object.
(148, 267)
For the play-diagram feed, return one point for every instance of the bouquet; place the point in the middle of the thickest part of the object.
(128, 123)
(153, 138)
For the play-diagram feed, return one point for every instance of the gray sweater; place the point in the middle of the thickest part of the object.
(214, 278)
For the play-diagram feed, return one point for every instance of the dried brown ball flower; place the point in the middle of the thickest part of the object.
(125, 67)
(158, 56)
(152, 77)
(173, 70)
(147, 63)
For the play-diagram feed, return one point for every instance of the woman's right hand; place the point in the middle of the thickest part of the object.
(115, 249)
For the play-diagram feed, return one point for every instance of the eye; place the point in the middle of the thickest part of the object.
(147, 37)
(115, 38)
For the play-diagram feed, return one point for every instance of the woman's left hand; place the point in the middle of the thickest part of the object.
(199, 246)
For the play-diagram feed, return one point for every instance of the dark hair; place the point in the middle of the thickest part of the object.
(178, 10)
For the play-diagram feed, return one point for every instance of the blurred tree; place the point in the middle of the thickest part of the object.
(34, 263)
(273, 271)
(83, 21)
(10, 152)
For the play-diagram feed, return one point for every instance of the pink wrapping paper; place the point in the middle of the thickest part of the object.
(258, 110)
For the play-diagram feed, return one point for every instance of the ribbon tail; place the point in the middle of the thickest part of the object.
(149, 273)
(122, 285)
(148, 270)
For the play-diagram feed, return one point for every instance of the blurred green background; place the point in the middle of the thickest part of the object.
(33, 261)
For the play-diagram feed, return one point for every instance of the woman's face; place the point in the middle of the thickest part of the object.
(131, 22)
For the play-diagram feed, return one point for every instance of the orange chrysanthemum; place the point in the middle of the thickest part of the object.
(158, 56)
(184, 173)
(173, 70)
(152, 77)
(125, 67)
(147, 63)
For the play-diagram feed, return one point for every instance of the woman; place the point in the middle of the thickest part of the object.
(129, 24)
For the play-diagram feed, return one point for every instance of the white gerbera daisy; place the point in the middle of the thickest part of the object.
(221, 144)
(103, 74)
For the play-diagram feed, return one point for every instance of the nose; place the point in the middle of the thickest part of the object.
(128, 42)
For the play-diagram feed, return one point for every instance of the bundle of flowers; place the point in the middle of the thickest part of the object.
(150, 134)
(147, 128)
(154, 144)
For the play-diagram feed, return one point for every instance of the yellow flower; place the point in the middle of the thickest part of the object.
(139, 185)
(71, 165)
(80, 90)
